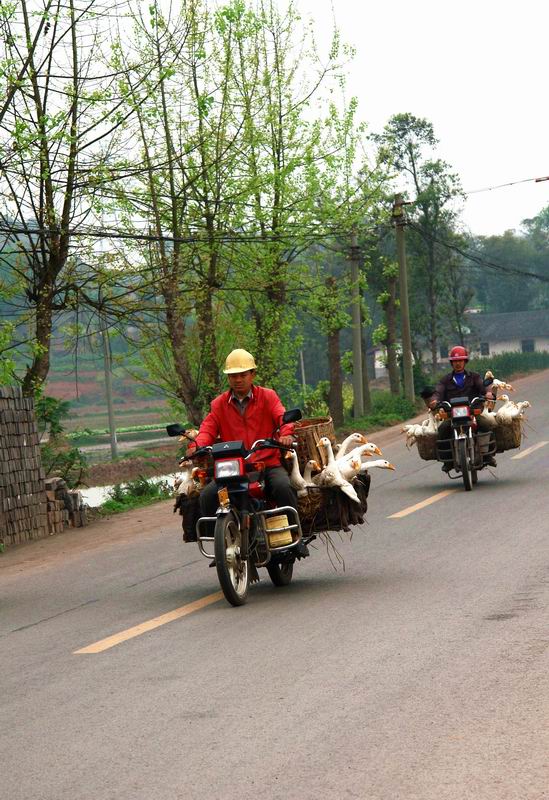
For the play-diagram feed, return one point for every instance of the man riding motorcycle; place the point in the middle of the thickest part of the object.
(246, 413)
(458, 383)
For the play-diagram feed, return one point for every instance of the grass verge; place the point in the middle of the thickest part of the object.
(135, 494)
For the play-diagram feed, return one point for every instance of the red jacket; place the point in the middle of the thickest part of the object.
(262, 415)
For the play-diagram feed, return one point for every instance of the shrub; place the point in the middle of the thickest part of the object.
(136, 493)
(505, 365)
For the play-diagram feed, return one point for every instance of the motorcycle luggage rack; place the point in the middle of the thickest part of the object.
(488, 447)
(200, 538)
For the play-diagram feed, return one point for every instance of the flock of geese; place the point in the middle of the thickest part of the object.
(348, 461)
(504, 415)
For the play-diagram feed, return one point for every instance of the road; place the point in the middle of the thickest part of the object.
(420, 672)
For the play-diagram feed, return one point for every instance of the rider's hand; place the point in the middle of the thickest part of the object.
(287, 441)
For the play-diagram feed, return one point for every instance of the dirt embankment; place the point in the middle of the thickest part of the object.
(128, 469)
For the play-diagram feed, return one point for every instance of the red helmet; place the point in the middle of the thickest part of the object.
(458, 353)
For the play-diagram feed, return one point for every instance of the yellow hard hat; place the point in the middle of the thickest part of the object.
(239, 361)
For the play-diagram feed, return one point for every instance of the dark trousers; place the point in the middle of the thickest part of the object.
(277, 488)
(445, 432)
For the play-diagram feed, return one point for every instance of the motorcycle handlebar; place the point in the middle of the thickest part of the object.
(262, 444)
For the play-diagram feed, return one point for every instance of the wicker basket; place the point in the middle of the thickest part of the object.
(427, 447)
(307, 433)
(508, 436)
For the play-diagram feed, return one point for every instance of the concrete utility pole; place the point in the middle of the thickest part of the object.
(303, 381)
(400, 221)
(108, 385)
(358, 396)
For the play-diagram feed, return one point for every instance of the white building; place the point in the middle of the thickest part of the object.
(522, 331)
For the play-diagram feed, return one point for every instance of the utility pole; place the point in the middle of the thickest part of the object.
(358, 396)
(303, 381)
(399, 220)
(108, 384)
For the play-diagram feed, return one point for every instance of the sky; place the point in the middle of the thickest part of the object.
(478, 70)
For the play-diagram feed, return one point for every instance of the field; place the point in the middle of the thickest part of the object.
(86, 393)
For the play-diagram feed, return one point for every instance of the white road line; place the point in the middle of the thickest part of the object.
(530, 450)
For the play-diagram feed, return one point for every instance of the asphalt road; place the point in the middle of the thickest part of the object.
(420, 672)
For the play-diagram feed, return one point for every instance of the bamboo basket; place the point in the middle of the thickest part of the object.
(427, 447)
(508, 436)
(307, 433)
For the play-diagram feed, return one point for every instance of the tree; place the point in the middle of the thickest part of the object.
(409, 141)
(56, 124)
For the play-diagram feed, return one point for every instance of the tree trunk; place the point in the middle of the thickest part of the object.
(37, 372)
(186, 387)
(335, 396)
(391, 323)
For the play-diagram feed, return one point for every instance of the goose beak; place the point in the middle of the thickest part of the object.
(391, 466)
(288, 454)
(377, 450)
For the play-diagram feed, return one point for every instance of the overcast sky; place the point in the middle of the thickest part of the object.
(477, 69)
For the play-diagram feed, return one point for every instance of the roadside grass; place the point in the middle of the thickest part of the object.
(135, 494)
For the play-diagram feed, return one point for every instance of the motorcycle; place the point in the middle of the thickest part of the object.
(468, 446)
(248, 531)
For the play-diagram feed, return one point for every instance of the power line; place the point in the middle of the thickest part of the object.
(504, 185)
(478, 259)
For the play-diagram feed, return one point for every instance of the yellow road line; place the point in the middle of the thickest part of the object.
(149, 625)
(530, 450)
(410, 510)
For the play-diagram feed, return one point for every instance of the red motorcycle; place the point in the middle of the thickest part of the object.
(247, 531)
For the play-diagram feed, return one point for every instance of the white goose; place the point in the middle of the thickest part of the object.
(298, 481)
(352, 441)
(331, 476)
(349, 468)
(497, 384)
(508, 411)
(363, 451)
(379, 463)
(184, 483)
(489, 417)
(429, 425)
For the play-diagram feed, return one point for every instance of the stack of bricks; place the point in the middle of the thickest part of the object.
(65, 507)
(23, 502)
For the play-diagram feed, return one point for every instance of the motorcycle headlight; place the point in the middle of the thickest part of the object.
(229, 468)
(460, 411)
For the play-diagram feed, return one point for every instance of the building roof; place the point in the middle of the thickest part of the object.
(512, 325)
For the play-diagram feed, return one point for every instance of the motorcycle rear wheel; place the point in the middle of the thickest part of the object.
(280, 573)
(232, 570)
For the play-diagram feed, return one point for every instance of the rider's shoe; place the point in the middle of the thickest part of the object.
(301, 550)
(447, 466)
(212, 563)
(491, 462)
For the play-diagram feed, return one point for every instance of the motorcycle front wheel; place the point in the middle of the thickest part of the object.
(280, 573)
(465, 465)
(232, 570)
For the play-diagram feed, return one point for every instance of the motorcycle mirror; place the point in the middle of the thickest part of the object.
(175, 429)
(292, 415)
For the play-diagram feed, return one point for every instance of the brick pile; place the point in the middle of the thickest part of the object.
(23, 503)
(30, 506)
